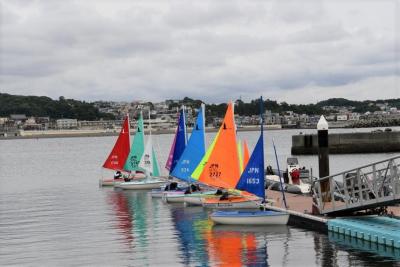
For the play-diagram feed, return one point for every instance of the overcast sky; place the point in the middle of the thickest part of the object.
(293, 51)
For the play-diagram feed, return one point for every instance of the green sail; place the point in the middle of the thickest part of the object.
(156, 168)
(137, 148)
(199, 169)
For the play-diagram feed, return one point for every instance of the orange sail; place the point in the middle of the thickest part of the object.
(119, 153)
(246, 154)
(222, 167)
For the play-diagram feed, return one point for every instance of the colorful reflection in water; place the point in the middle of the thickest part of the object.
(154, 233)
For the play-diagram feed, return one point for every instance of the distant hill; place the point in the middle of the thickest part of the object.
(42, 106)
(81, 110)
(253, 107)
(359, 106)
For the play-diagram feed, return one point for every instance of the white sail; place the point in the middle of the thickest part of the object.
(146, 162)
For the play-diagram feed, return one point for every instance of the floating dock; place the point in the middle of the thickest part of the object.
(363, 245)
(377, 229)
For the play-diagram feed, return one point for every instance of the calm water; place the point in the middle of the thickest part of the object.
(52, 213)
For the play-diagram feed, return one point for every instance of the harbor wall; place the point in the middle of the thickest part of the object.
(346, 143)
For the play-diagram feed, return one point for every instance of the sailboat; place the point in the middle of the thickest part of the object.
(177, 148)
(145, 161)
(243, 153)
(118, 155)
(137, 149)
(220, 166)
(179, 144)
(188, 161)
(252, 181)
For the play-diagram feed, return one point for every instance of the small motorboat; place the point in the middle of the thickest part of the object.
(143, 184)
(266, 217)
(296, 179)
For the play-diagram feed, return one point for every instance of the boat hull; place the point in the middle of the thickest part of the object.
(231, 203)
(193, 200)
(157, 193)
(110, 181)
(173, 197)
(141, 185)
(113, 182)
(180, 198)
(250, 218)
(197, 199)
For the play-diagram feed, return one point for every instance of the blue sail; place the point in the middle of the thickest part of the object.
(194, 151)
(180, 142)
(252, 179)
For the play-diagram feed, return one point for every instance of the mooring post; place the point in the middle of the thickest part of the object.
(323, 158)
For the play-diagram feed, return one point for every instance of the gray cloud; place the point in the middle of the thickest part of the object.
(215, 51)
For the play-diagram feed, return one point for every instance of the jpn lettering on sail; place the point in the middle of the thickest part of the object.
(193, 152)
(146, 162)
(252, 178)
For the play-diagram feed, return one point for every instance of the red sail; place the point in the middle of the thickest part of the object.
(119, 153)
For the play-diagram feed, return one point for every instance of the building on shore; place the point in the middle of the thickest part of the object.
(67, 123)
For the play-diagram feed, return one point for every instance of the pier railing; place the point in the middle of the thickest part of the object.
(368, 187)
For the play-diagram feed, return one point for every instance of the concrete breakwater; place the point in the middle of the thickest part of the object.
(344, 143)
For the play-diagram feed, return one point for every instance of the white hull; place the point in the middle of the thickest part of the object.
(196, 199)
(157, 194)
(180, 198)
(280, 219)
(141, 185)
(109, 182)
(250, 204)
(173, 197)
(193, 201)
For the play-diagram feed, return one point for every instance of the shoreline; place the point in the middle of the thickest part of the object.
(101, 133)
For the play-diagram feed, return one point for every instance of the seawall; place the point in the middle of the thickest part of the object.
(346, 143)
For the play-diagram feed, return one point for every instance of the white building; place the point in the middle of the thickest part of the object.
(341, 117)
(67, 123)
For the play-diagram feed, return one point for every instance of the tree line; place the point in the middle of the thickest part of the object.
(253, 107)
(42, 106)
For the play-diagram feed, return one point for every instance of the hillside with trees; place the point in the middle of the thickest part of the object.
(41, 106)
(253, 107)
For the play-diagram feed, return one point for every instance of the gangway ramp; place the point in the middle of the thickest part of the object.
(370, 187)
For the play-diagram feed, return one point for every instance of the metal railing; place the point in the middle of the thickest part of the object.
(364, 188)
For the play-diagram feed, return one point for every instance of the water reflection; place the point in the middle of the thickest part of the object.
(130, 216)
(155, 233)
(359, 245)
(191, 223)
(120, 205)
